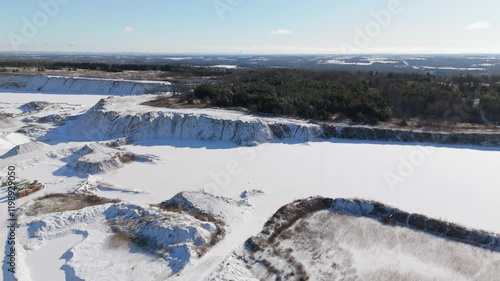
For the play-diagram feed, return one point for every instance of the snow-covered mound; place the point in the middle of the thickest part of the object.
(52, 118)
(43, 154)
(80, 85)
(42, 112)
(116, 117)
(34, 106)
(77, 159)
(175, 236)
(24, 148)
(87, 187)
(9, 122)
(118, 142)
(202, 202)
(131, 242)
(252, 193)
(9, 141)
(326, 239)
(97, 158)
(93, 185)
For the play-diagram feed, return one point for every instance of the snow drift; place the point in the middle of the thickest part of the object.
(80, 85)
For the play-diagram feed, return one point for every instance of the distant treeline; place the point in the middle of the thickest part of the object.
(114, 67)
(360, 96)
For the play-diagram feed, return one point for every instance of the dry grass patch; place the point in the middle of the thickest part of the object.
(175, 102)
(53, 203)
(126, 158)
(220, 232)
(119, 239)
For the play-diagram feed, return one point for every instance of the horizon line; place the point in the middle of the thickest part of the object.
(245, 54)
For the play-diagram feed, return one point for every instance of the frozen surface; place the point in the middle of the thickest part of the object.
(46, 262)
(450, 178)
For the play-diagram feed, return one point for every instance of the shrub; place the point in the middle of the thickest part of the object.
(204, 91)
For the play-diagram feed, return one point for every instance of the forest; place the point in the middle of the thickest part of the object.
(112, 67)
(361, 97)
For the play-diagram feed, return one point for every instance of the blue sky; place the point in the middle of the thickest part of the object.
(251, 26)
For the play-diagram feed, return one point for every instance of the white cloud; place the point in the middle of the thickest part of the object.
(128, 29)
(281, 32)
(479, 25)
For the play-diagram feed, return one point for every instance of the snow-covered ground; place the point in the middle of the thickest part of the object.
(41, 262)
(334, 247)
(457, 184)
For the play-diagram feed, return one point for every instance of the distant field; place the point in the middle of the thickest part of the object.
(446, 65)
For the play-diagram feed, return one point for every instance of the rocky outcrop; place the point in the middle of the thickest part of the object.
(80, 85)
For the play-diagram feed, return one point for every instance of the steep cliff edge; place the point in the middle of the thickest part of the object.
(80, 85)
(125, 116)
